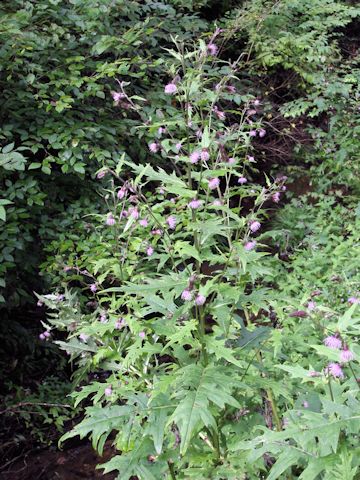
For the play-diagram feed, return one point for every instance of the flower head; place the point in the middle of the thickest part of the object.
(251, 158)
(219, 113)
(335, 370)
(242, 180)
(276, 197)
(212, 48)
(178, 146)
(346, 355)
(108, 391)
(103, 318)
(213, 183)
(157, 231)
(262, 132)
(143, 222)
(200, 300)
(252, 133)
(171, 221)
(204, 155)
(194, 204)
(83, 337)
(134, 213)
(101, 174)
(142, 334)
(217, 203)
(170, 88)
(149, 251)
(121, 193)
(120, 322)
(110, 220)
(250, 245)
(254, 226)
(353, 300)
(186, 295)
(117, 96)
(42, 336)
(231, 161)
(311, 305)
(93, 287)
(332, 341)
(194, 157)
(154, 147)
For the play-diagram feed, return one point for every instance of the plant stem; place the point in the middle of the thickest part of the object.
(352, 371)
(271, 400)
(171, 470)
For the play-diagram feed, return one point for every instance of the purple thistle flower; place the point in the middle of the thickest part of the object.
(42, 336)
(142, 335)
(217, 203)
(120, 322)
(335, 370)
(346, 355)
(157, 231)
(121, 193)
(353, 300)
(194, 204)
(311, 305)
(134, 213)
(200, 300)
(186, 295)
(170, 88)
(262, 132)
(103, 318)
(219, 113)
(254, 226)
(313, 373)
(143, 222)
(149, 251)
(242, 180)
(101, 174)
(161, 130)
(231, 88)
(47, 334)
(204, 155)
(276, 197)
(178, 146)
(305, 404)
(83, 337)
(213, 183)
(108, 391)
(251, 158)
(110, 220)
(332, 342)
(40, 303)
(250, 245)
(171, 221)
(194, 157)
(93, 287)
(117, 96)
(231, 161)
(252, 133)
(212, 48)
(154, 147)
(256, 102)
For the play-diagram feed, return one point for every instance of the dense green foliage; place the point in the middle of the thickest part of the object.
(186, 184)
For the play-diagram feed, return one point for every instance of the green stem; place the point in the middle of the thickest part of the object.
(352, 371)
(330, 389)
(171, 470)
(271, 400)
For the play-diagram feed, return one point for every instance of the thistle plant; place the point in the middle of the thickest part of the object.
(170, 320)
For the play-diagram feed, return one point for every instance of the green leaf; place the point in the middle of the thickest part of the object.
(100, 421)
(2, 213)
